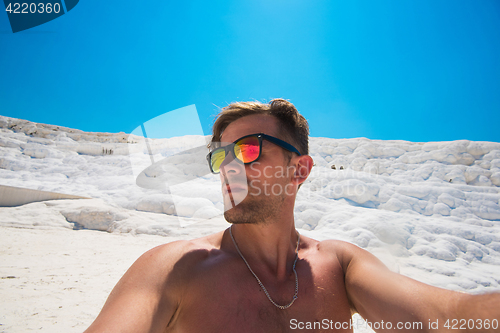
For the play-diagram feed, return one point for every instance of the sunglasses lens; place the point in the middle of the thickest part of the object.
(247, 149)
(217, 158)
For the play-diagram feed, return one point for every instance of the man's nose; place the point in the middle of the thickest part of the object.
(231, 166)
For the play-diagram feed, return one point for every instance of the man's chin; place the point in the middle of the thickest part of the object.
(234, 217)
(252, 210)
(233, 199)
(237, 215)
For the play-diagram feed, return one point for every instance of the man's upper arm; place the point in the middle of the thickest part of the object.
(381, 295)
(146, 297)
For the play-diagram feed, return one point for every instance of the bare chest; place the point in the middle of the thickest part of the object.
(227, 298)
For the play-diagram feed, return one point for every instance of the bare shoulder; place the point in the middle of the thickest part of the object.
(335, 245)
(349, 256)
(154, 284)
(343, 251)
(177, 256)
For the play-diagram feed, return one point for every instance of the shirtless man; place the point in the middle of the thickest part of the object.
(260, 275)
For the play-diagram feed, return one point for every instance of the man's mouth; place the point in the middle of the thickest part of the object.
(234, 188)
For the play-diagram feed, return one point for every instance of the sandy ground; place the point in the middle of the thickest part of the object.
(57, 280)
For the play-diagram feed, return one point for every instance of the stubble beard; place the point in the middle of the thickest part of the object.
(262, 209)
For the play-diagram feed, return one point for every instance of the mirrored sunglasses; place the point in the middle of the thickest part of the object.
(246, 150)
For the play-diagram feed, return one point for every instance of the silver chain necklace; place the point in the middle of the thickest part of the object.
(295, 296)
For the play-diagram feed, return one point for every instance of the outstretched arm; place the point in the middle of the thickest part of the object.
(381, 296)
(146, 297)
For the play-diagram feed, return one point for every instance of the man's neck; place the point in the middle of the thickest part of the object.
(268, 247)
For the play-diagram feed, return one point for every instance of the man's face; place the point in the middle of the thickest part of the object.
(255, 192)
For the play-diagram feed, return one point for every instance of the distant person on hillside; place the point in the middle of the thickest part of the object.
(260, 274)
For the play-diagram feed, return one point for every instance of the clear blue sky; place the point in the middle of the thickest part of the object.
(426, 70)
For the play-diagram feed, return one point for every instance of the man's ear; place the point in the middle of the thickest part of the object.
(303, 164)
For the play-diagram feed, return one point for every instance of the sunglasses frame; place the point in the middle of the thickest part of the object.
(260, 136)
